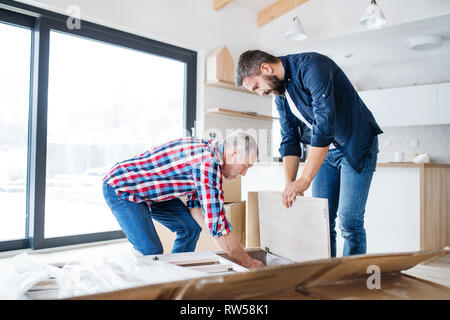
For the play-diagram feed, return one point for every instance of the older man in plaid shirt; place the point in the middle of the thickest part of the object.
(149, 186)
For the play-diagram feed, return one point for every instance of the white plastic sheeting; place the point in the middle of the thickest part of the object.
(88, 276)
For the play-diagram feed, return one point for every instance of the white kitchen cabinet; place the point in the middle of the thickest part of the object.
(443, 90)
(392, 217)
(409, 106)
(371, 99)
(407, 207)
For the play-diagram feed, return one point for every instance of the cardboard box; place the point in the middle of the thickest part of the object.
(235, 213)
(252, 220)
(232, 190)
(373, 276)
(337, 278)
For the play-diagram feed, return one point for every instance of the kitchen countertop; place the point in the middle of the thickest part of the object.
(380, 164)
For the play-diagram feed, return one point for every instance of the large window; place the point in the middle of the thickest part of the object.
(105, 104)
(73, 102)
(14, 109)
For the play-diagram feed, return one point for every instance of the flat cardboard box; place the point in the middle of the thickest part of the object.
(335, 278)
(235, 213)
(252, 220)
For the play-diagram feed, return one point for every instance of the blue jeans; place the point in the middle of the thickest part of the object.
(136, 221)
(347, 192)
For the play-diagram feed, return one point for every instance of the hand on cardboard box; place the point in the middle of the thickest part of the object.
(253, 264)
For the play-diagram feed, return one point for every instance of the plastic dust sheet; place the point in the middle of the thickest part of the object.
(114, 271)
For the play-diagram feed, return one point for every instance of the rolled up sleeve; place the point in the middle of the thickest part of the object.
(290, 139)
(207, 177)
(318, 76)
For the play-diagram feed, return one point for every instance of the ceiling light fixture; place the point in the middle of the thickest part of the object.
(295, 29)
(426, 42)
(373, 18)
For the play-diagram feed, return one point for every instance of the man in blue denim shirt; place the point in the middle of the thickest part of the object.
(319, 106)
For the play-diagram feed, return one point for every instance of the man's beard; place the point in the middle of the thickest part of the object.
(276, 85)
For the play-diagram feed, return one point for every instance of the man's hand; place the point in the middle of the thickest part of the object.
(293, 189)
(229, 243)
(313, 163)
(253, 264)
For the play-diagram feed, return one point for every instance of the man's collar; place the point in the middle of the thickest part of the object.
(287, 70)
(218, 151)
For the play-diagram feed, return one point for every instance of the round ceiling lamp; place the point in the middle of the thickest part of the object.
(426, 42)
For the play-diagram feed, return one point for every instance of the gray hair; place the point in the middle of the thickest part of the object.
(244, 143)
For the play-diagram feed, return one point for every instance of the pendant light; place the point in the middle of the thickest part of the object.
(373, 18)
(295, 29)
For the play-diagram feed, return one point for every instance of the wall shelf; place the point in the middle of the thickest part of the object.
(234, 113)
(230, 86)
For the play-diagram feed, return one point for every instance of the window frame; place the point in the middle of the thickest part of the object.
(41, 23)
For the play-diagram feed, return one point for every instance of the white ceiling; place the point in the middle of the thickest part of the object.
(378, 46)
(335, 31)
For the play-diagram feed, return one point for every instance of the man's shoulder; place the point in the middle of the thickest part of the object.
(301, 56)
(184, 141)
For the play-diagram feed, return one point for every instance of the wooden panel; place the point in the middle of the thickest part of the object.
(231, 86)
(299, 233)
(435, 207)
(277, 10)
(219, 4)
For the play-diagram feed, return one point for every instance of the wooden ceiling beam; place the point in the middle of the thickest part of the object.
(219, 4)
(276, 10)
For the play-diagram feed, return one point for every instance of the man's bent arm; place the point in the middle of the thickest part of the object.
(312, 166)
(290, 164)
(228, 242)
(314, 162)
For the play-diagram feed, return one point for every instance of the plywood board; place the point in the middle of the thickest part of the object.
(299, 233)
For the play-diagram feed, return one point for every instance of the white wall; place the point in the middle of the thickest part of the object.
(327, 19)
(191, 24)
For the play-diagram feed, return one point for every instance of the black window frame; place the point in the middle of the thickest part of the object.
(41, 22)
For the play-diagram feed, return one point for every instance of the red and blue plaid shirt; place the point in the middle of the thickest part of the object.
(183, 167)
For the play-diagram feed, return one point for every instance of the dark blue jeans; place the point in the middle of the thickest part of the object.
(347, 192)
(136, 221)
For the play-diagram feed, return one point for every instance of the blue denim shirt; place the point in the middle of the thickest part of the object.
(327, 100)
